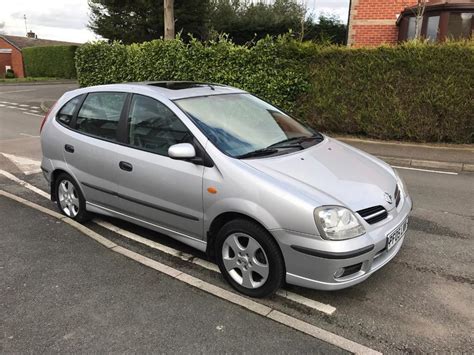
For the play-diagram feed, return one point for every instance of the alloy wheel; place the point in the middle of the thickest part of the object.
(68, 198)
(245, 260)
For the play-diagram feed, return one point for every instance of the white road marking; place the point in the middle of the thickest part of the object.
(425, 170)
(226, 295)
(145, 241)
(22, 105)
(28, 135)
(325, 308)
(23, 109)
(308, 302)
(24, 183)
(12, 92)
(319, 333)
(319, 306)
(33, 114)
(26, 165)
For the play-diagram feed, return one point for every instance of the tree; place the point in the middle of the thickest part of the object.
(169, 19)
(328, 29)
(135, 21)
(245, 21)
(419, 12)
(248, 21)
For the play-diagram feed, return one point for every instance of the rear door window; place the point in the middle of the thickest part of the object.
(64, 115)
(154, 127)
(100, 114)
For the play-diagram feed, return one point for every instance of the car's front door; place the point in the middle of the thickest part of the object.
(90, 147)
(152, 186)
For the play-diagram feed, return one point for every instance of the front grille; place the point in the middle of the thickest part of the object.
(374, 214)
(397, 196)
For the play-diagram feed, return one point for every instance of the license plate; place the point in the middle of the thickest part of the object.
(394, 236)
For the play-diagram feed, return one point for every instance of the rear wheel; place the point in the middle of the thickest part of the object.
(69, 198)
(249, 258)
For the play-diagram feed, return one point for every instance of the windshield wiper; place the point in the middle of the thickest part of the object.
(286, 143)
(257, 153)
(294, 142)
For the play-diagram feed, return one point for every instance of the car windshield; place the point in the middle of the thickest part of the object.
(241, 125)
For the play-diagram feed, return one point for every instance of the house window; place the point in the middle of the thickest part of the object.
(411, 31)
(432, 28)
(448, 20)
(459, 25)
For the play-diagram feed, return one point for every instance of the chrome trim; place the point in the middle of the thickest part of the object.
(374, 214)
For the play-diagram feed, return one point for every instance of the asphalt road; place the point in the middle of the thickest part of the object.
(60, 292)
(420, 302)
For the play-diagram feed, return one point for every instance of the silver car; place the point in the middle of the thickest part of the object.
(270, 199)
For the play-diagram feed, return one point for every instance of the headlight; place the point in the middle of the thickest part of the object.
(337, 223)
(401, 184)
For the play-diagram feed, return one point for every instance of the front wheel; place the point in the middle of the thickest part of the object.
(249, 258)
(69, 198)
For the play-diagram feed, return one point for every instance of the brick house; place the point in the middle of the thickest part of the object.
(11, 47)
(375, 22)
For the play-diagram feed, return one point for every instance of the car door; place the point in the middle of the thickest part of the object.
(152, 186)
(90, 147)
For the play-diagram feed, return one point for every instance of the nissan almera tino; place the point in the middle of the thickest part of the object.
(270, 199)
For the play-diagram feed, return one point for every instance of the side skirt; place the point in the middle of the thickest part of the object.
(183, 238)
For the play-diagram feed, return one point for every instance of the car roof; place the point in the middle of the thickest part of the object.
(171, 90)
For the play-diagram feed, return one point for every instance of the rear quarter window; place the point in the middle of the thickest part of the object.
(100, 113)
(65, 114)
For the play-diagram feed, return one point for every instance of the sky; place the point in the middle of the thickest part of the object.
(66, 20)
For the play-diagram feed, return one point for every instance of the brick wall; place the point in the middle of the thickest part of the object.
(16, 59)
(373, 22)
(5, 59)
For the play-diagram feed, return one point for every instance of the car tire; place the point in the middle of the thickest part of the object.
(69, 198)
(249, 258)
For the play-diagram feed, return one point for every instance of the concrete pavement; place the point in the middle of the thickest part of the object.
(438, 156)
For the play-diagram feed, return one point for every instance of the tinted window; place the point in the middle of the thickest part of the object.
(100, 114)
(154, 127)
(65, 114)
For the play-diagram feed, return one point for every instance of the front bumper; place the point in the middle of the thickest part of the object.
(314, 263)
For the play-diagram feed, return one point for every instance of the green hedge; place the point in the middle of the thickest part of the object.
(269, 69)
(417, 92)
(50, 61)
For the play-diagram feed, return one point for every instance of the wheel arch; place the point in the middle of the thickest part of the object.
(54, 175)
(219, 221)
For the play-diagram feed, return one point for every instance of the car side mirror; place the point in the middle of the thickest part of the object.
(182, 151)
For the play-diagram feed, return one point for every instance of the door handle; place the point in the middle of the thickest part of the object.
(125, 166)
(69, 148)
